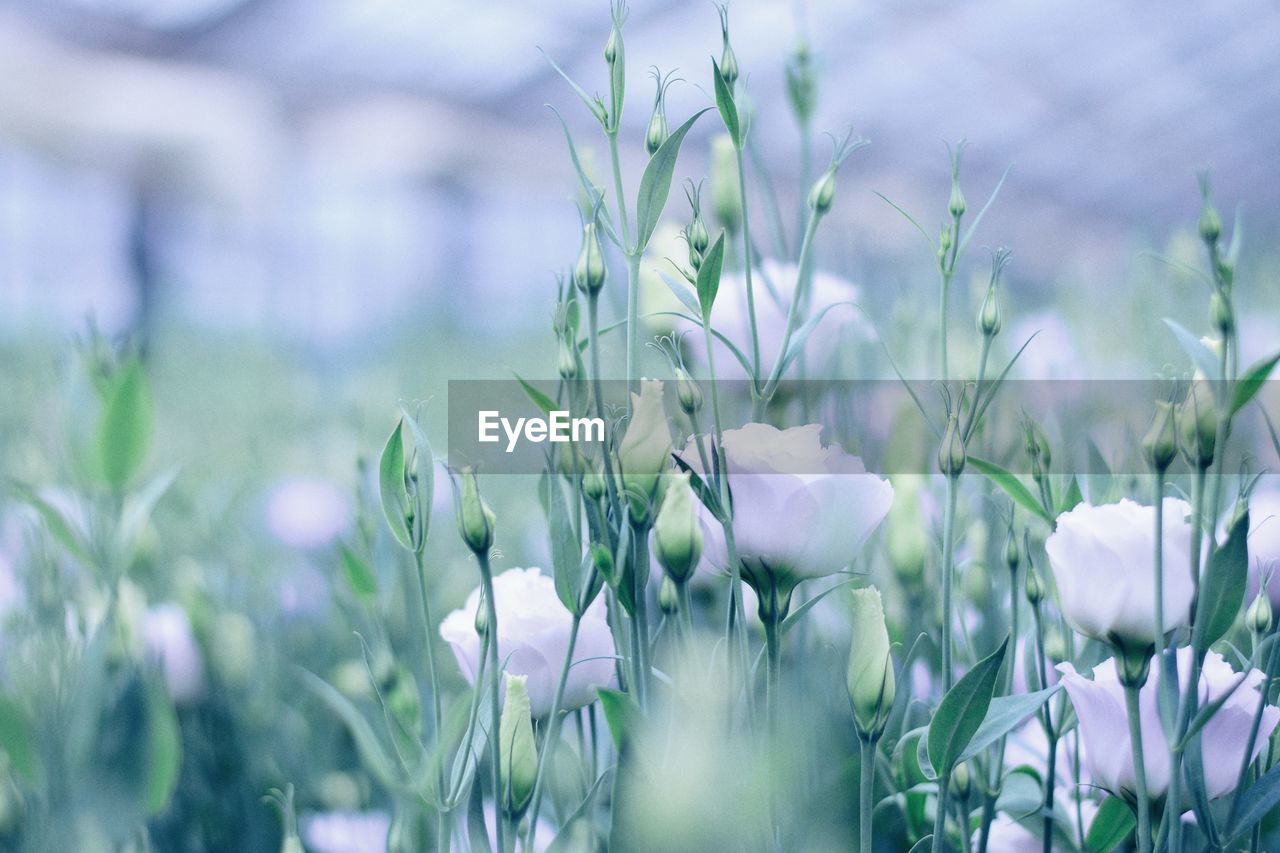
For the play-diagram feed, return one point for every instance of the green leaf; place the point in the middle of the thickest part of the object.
(1111, 826)
(1222, 589)
(727, 106)
(15, 743)
(539, 398)
(372, 753)
(425, 471)
(1012, 486)
(655, 184)
(709, 277)
(164, 750)
(1201, 356)
(908, 217)
(124, 433)
(395, 502)
(58, 525)
(977, 220)
(1072, 497)
(567, 564)
(1255, 803)
(796, 346)
(359, 575)
(1249, 384)
(621, 713)
(962, 710)
(1004, 715)
(682, 292)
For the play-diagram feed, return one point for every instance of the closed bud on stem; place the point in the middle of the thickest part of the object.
(961, 781)
(728, 60)
(1160, 444)
(870, 677)
(602, 558)
(1035, 586)
(1221, 314)
(1037, 446)
(802, 85)
(1055, 644)
(1198, 425)
(951, 453)
(1210, 223)
(593, 485)
(518, 748)
(944, 243)
(1011, 554)
(481, 622)
(823, 192)
(589, 273)
(567, 364)
(668, 596)
(989, 314)
(699, 239)
(677, 533)
(645, 450)
(688, 393)
(656, 134)
(1258, 616)
(475, 519)
(956, 205)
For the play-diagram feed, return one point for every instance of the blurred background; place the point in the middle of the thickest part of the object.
(306, 212)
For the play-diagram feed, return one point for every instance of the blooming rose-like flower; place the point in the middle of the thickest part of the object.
(170, 642)
(346, 832)
(800, 509)
(1103, 562)
(1104, 724)
(729, 316)
(533, 637)
(1009, 836)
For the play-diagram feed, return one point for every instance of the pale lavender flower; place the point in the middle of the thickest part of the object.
(307, 512)
(172, 645)
(346, 832)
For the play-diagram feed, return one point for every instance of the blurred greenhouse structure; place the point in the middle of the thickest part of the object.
(316, 169)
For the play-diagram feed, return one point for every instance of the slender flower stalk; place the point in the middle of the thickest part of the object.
(1131, 692)
(552, 737)
(866, 788)
(495, 675)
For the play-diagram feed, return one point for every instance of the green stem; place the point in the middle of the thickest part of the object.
(640, 620)
(798, 297)
(866, 787)
(940, 815)
(1131, 693)
(633, 320)
(948, 534)
(624, 236)
(746, 254)
(495, 674)
(944, 299)
(553, 731)
(428, 625)
(1050, 733)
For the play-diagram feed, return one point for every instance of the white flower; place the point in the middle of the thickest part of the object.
(1009, 836)
(1264, 544)
(170, 642)
(346, 832)
(800, 509)
(1104, 724)
(307, 512)
(1103, 562)
(533, 637)
(729, 316)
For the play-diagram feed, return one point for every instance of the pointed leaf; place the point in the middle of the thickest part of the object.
(359, 575)
(621, 713)
(655, 184)
(709, 277)
(726, 105)
(391, 487)
(1011, 485)
(1255, 804)
(539, 398)
(1222, 589)
(1201, 356)
(16, 743)
(1004, 715)
(124, 434)
(164, 750)
(1251, 383)
(962, 710)
(1110, 827)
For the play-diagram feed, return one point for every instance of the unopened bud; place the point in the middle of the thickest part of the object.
(1055, 644)
(1221, 315)
(593, 485)
(956, 204)
(699, 239)
(589, 273)
(1038, 449)
(668, 596)
(961, 781)
(1258, 616)
(519, 750)
(951, 453)
(602, 559)
(677, 532)
(823, 192)
(568, 362)
(1198, 425)
(475, 519)
(1210, 223)
(989, 314)
(1160, 445)
(1012, 557)
(656, 133)
(611, 46)
(802, 85)
(481, 621)
(1035, 586)
(870, 677)
(688, 393)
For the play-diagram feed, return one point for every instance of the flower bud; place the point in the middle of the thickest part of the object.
(728, 60)
(1258, 616)
(961, 781)
(1210, 223)
(590, 271)
(802, 85)
(870, 676)
(1198, 425)
(1035, 586)
(956, 204)
(567, 365)
(1037, 446)
(1011, 554)
(645, 450)
(688, 393)
(1160, 445)
(1055, 643)
(823, 192)
(951, 453)
(677, 532)
(481, 621)
(475, 519)
(725, 198)
(668, 596)
(593, 485)
(944, 242)
(602, 558)
(611, 46)
(699, 239)
(1221, 315)
(516, 745)
(989, 314)
(656, 134)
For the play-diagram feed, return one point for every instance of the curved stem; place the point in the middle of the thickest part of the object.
(495, 674)
(1131, 693)
(948, 534)
(553, 731)
(746, 255)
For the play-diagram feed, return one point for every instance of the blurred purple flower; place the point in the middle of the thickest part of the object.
(172, 645)
(346, 832)
(307, 512)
